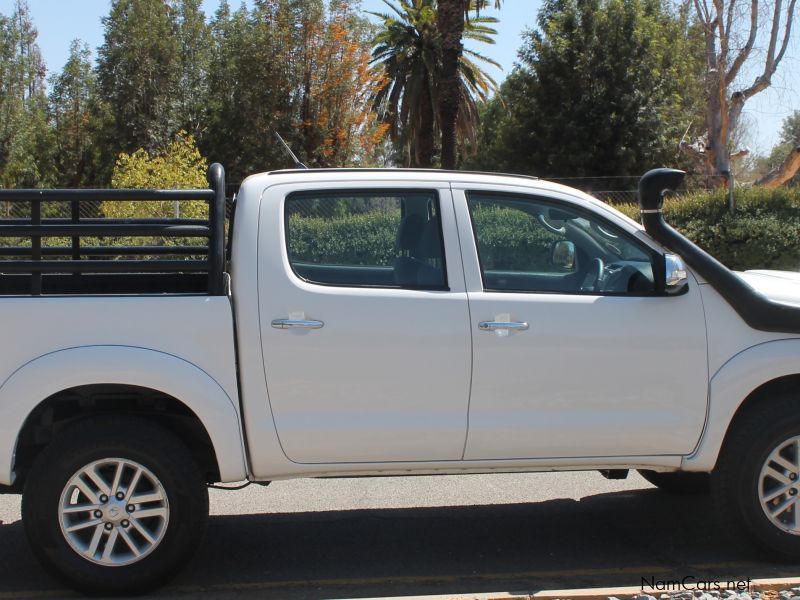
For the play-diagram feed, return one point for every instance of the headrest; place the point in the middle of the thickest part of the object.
(410, 232)
(430, 244)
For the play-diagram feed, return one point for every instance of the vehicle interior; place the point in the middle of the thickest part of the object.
(570, 252)
(525, 245)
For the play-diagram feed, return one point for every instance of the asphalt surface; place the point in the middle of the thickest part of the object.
(358, 538)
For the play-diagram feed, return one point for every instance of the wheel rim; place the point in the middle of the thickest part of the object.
(779, 486)
(113, 512)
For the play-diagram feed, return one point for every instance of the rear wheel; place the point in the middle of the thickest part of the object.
(757, 483)
(115, 505)
(680, 482)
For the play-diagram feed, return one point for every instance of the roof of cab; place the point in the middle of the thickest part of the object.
(420, 175)
(428, 175)
(417, 175)
(392, 174)
(400, 170)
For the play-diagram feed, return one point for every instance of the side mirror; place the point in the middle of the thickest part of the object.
(676, 280)
(562, 255)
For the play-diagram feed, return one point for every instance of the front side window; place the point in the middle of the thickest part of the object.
(530, 244)
(375, 239)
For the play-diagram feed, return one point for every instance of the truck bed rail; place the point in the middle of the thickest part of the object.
(77, 265)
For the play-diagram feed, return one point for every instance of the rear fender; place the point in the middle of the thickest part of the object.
(51, 373)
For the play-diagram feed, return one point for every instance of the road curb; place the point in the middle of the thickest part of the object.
(756, 585)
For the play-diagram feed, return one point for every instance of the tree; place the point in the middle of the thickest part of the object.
(261, 47)
(138, 74)
(193, 61)
(24, 133)
(790, 129)
(337, 83)
(733, 31)
(225, 125)
(407, 49)
(784, 160)
(451, 22)
(306, 64)
(604, 88)
(70, 101)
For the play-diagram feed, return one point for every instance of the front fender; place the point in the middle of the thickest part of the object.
(732, 384)
(51, 373)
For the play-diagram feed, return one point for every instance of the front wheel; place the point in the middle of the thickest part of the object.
(757, 483)
(115, 505)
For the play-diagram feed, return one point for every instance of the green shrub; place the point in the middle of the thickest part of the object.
(179, 166)
(506, 239)
(763, 233)
(369, 239)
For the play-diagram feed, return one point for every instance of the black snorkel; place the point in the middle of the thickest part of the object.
(757, 311)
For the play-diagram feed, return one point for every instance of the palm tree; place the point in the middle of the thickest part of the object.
(451, 23)
(408, 50)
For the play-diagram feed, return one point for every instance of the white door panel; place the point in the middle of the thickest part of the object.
(386, 378)
(592, 376)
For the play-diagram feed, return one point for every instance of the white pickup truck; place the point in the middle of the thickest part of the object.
(375, 322)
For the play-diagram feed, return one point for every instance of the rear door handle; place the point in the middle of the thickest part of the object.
(495, 325)
(296, 324)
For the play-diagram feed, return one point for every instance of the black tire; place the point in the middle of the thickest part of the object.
(736, 481)
(111, 438)
(679, 482)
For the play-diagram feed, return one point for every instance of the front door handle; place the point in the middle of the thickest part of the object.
(296, 324)
(495, 325)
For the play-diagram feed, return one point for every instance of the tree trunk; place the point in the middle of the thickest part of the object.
(450, 22)
(717, 124)
(783, 173)
(424, 143)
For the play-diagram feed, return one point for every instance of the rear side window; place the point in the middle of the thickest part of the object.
(374, 239)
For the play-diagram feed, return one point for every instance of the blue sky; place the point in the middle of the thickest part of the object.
(60, 21)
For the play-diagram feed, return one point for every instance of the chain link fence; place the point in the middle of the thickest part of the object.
(88, 210)
(614, 190)
(624, 189)
(611, 189)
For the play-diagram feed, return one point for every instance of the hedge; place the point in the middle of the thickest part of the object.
(506, 238)
(369, 239)
(763, 233)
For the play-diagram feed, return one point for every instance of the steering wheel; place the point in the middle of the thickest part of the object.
(594, 276)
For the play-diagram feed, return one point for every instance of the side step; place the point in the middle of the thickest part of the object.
(614, 473)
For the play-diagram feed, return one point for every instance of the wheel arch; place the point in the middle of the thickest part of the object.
(741, 385)
(74, 383)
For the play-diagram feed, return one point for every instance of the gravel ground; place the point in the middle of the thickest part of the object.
(724, 594)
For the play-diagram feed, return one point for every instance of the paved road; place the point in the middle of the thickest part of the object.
(346, 538)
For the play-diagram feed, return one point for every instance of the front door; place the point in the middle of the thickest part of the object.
(575, 352)
(364, 324)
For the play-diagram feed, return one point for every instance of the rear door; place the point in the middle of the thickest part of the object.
(364, 323)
